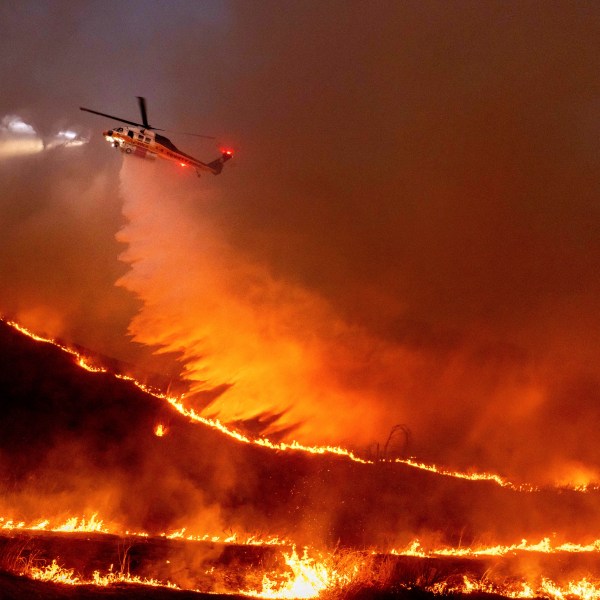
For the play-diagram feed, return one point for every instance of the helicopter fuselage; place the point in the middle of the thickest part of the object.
(143, 143)
(141, 139)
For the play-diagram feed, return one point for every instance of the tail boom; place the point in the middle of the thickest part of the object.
(216, 166)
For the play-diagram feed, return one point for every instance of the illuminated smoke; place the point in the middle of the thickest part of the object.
(254, 347)
(18, 138)
(276, 356)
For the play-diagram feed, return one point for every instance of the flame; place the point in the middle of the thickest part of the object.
(306, 578)
(93, 524)
(582, 589)
(309, 578)
(70, 525)
(55, 573)
(75, 524)
(160, 430)
(544, 546)
(494, 478)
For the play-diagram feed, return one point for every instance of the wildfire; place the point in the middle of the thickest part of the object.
(414, 548)
(71, 525)
(55, 573)
(306, 578)
(582, 589)
(234, 538)
(177, 404)
(544, 546)
(579, 589)
(96, 525)
(311, 574)
(310, 578)
(524, 487)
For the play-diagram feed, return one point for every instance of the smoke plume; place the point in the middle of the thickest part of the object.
(254, 347)
(273, 355)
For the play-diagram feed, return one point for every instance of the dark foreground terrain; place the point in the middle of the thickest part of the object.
(15, 587)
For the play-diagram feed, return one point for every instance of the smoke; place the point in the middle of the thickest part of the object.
(254, 347)
(59, 258)
(18, 138)
(274, 356)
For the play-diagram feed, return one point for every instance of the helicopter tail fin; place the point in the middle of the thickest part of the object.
(217, 165)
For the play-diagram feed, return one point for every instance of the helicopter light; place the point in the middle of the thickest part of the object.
(183, 164)
(227, 152)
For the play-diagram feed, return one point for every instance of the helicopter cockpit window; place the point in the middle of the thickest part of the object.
(130, 134)
(147, 140)
(119, 129)
(140, 137)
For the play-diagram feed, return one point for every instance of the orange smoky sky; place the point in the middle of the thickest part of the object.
(408, 232)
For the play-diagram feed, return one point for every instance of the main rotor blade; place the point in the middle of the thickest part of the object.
(113, 117)
(208, 137)
(142, 102)
(145, 123)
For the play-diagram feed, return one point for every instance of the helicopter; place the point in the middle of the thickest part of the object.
(142, 140)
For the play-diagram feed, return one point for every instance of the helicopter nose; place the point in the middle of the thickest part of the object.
(108, 133)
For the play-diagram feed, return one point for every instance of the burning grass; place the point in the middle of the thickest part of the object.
(286, 574)
(274, 573)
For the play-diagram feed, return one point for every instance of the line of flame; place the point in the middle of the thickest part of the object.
(55, 573)
(94, 524)
(70, 525)
(544, 546)
(582, 589)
